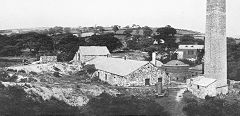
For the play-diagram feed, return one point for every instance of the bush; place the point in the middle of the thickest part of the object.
(212, 107)
(15, 102)
(22, 71)
(24, 80)
(13, 78)
(6, 78)
(56, 74)
(11, 70)
(107, 105)
(33, 73)
(56, 69)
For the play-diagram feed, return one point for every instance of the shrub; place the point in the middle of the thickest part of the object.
(56, 69)
(11, 70)
(24, 80)
(30, 79)
(43, 80)
(107, 105)
(4, 76)
(14, 102)
(33, 73)
(22, 71)
(13, 78)
(56, 74)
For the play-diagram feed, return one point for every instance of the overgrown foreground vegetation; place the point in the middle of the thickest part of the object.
(216, 106)
(15, 102)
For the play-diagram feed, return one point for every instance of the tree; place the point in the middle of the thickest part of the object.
(66, 29)
(147, 31)
(66, 46)
(55, 30)
(108, 40)
(128, 32)
(33, 41)
(115, 28)
(187, 40)
(167, 35)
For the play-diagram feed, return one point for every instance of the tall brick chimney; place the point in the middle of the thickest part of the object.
(215, 62)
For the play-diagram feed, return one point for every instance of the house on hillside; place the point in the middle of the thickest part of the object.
(189, 52)
(86, 53)
(201, 86)
(125, 72)
(177, 70)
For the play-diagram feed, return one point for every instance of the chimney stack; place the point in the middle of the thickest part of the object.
(154, 58)
(125, 57)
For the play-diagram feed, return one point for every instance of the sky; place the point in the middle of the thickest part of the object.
(184, 14)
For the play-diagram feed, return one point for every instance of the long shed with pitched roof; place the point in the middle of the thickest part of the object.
(86, 53)
(125, 72)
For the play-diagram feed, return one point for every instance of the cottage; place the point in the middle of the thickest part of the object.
(189, 51)
(177, 70)
(201, 86)
(86, 53)
(125, 72)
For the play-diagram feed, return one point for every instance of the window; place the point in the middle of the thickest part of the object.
(147, 81)
(198, 87)
(190, 52)
(106, 77)
(98, 74)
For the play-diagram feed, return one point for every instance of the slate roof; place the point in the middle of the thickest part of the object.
(193, 47)
(202, 81)
(118, 66)
(93, 50)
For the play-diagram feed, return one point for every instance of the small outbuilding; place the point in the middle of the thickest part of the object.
(87, 53)
(201, 86)
(177, 70)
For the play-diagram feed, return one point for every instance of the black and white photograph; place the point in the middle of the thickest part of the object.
(119, 58)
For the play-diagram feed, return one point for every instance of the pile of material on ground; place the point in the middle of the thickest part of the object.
(63, 68)
(46, 86)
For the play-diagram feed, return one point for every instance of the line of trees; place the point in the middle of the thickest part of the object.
(64, 45)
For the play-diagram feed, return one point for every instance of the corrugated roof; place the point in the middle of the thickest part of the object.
(194, 47)
(203, 81)
(93, 50)
(175, 63)
(118, 66)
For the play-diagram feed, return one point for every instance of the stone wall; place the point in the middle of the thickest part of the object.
(178, 73)
(46, 59)
(136, 78)
(201, 91)
(149, 71)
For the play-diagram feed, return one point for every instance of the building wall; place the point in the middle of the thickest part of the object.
(84, 58)
(111, 78)
(136, 78)
(201, 91)
(187, 54)
(178, 73)
(46, 59)
(149, 71)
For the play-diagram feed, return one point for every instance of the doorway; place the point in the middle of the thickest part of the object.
(159, 79)
(147, 81)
